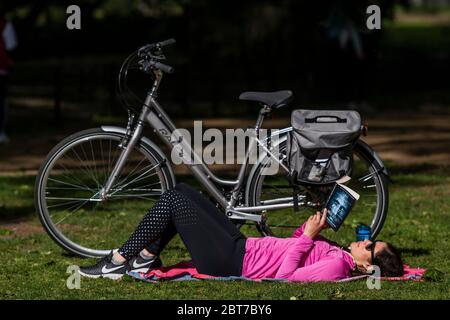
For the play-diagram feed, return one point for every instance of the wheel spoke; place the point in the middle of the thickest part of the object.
(62, 204)
(140, 177)
(69, 184)
(71, 212)
(95, 165)
(71, 176)
(132, 171)
(86, 166)
(81, 199)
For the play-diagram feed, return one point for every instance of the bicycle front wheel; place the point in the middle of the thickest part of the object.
(68, 186)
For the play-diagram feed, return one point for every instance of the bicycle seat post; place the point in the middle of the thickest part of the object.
(265, 110)
(259, 121)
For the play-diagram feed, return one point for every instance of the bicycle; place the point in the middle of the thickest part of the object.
(94, 186)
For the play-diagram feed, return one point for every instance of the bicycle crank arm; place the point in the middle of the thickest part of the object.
(234, 214)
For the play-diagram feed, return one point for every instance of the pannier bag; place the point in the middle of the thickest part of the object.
(319, 148)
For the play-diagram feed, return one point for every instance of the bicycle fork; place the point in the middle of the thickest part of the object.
(128, 145)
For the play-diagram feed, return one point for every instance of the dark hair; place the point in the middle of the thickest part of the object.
(389, 261)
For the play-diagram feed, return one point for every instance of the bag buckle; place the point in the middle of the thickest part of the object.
(365, 129)
(318, 170)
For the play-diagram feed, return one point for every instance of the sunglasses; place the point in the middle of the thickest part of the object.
(371, 247)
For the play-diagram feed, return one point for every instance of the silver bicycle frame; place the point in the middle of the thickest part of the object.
(153, 114)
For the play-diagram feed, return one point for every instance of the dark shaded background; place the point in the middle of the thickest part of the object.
(226, 47)
(64, 80)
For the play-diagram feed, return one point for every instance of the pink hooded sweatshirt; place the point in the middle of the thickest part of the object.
(298, 258)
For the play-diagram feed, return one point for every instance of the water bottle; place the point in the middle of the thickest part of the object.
(363, 232)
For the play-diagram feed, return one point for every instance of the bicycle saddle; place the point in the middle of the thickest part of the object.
(275, 99)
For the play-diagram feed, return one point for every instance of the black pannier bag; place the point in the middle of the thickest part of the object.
(319, 148)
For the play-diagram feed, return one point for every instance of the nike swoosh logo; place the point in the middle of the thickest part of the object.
(106, 270)
(138, 265)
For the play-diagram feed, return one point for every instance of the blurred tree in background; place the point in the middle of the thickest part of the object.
(321, 50)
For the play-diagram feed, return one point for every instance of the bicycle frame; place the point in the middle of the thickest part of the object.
(153, 114)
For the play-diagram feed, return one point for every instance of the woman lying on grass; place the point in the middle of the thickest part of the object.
(218, 248)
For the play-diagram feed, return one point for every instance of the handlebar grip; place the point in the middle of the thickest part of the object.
(163, 67)
(166, 42)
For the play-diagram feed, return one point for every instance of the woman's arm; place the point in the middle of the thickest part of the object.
(329, 269)
(299, 231)
(319, 219)
(293, 256)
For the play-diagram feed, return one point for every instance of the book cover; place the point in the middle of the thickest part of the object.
(339, 204)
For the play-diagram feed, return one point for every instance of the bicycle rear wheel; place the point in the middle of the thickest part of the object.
(68, 186)
(367, 180)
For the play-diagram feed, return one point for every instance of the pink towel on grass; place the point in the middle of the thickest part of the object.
(185, 270)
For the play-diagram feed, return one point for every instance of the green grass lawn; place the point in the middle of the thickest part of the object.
(34, 267)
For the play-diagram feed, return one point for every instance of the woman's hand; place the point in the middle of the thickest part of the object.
(315, 224)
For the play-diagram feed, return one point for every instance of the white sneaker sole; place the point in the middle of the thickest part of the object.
(143, 270)
(111, 276)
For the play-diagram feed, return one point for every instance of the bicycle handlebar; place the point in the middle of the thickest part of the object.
(166, 42)
(147, 51)
(163, 67)
(160, 44)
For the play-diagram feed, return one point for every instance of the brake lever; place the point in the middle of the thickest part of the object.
(146, 48)
(144, 65)
(147, 51)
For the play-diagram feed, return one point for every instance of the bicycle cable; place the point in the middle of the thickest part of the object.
(123, 90)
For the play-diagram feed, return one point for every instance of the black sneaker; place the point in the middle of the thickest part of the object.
(140, 264)
(104, 268)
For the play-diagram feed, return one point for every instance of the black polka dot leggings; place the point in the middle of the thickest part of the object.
(216, 245)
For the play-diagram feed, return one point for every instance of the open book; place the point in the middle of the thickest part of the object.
(339, 203)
